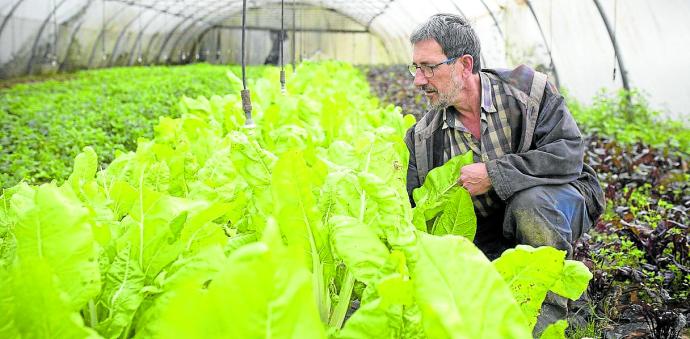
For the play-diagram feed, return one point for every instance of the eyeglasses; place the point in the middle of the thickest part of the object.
(428, 70)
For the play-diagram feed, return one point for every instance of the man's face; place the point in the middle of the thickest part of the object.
(443, 88)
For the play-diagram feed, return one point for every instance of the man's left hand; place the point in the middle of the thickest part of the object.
(475, 178)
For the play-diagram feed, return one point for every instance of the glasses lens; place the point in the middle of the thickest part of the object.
(428, 71)
(412, 69)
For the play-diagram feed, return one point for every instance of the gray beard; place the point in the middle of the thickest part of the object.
(442, 103)
(444, 100)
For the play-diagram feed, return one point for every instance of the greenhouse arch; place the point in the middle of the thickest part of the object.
(561, 37)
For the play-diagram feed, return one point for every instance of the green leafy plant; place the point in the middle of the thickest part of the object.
(626, 117)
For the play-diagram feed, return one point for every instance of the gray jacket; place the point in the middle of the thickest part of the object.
(547, 144)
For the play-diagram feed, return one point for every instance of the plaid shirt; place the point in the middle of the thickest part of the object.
(495, 137)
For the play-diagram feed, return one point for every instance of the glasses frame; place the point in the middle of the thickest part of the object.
(412, 68)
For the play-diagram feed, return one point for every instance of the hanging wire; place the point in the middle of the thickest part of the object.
(281, 37)
(246, 96)
(551, 33)
(13, 30)
(141, 12)
(615, 30)
(301, 40)
(53, 57)
(294, 38)
(219, 47)
(104, 33)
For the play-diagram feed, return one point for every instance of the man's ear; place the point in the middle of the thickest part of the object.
(467, 63)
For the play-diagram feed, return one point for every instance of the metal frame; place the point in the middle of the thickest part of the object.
(614, 42)
(30, 65)
(546, 43)
(141, 34)
(116, 47)
(101, 32)
(186, 31)
(9, 15)
(493, 17)
(74, 33)
(171, 32)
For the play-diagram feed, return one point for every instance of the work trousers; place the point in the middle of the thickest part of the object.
(548, 215)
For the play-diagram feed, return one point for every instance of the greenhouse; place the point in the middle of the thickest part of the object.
(344, 169)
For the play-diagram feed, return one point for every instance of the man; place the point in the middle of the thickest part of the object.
(528, 183)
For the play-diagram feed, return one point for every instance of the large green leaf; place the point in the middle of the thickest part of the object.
(35, 308)
(359, 247)
(440, 184)
(275, 300)
(532, 272)
(387, 308)
(193, 273)
(458, 217)
(252, 161)
(555, 330)
(460, 293)
(57, 231)
(122, 294)
(85, 166)
(298, 218)
(573, 281)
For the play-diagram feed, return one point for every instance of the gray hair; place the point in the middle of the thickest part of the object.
(454, 34)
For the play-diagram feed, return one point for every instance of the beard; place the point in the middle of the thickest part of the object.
(445, 98)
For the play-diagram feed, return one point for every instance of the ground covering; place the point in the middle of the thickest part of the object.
(639, 249)
(46, 124)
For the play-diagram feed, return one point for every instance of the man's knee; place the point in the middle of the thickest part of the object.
(546, 215)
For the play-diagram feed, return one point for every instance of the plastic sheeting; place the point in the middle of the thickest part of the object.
(566, 38)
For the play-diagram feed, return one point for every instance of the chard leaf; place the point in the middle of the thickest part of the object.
(361, 250)
(298, 217)
(458, 217)
(460, 294)
(185, 273)
(252, 161)
(57, 231)
(387, 309)
(122, 294)
(85, 166)
(440, 184)
(555, 330)
(574, 280)
(532, 272)
(35, 308)
(275, 300)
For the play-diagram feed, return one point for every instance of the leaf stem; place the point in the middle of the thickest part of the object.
(340, 310)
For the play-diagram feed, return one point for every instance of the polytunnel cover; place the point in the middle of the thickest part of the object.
(568, 39)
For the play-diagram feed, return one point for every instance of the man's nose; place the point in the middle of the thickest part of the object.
(419, 78)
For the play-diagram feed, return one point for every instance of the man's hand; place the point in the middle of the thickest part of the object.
(475, 178)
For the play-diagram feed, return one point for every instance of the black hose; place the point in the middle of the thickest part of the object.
(246, 96)
(281, 37)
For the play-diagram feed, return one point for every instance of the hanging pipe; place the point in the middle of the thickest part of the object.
(294, 38)
(246, 96)
(282, 34)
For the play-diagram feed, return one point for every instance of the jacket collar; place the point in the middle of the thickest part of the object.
(487, 98)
